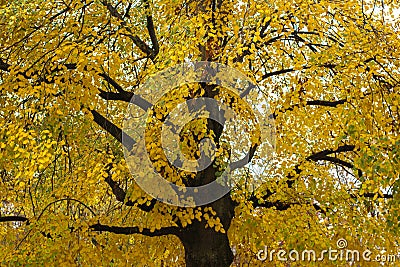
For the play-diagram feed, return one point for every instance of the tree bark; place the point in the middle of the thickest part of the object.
(206, 247)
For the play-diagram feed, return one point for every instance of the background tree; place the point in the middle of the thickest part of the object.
(329, 69)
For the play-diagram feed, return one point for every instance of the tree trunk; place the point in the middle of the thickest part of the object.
(206, 247)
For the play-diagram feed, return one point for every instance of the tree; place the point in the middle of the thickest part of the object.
(328, 69)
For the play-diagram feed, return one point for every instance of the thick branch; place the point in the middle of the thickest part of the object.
(324, 103)
(112, 229)
(120, 194)
(246, 159)
(122, 94)
(279, 205)
(114, 130)
(13, 219)
(111, 128)
(4, 66)
(135, 230)
(320, 155)
(152, 31)
(126, 97)
(323, 155)
(337, 161)
(112, 82)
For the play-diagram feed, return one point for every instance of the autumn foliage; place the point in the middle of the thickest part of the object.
(329, 71)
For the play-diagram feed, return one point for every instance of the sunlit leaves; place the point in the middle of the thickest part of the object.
(330, 70)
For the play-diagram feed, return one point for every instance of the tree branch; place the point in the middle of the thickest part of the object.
(246, 159)
(151, 30)
(324, 103)
(172, 230)
(112, 82)
(337, 161)
(135, 230)
(126, 97)
(4, 66)
(122, 94)
(278, 72)
(136, 40)
(279, 205)
(320, 155)
(114, 130)
(120, 193)
(13, 219)
(257, 44)
(371, 195)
